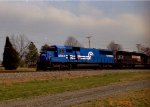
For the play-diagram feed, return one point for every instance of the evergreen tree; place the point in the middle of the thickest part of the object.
(10, 56)
(32, 55)
(44, 47)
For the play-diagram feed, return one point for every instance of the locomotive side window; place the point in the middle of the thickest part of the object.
(61, 50)
(76, 48)
(120, 57)
(69, 50)
(138, 58)
(105, 52)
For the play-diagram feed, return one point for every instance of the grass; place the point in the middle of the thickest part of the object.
(43, 87)
(18, 70)
(138, 98)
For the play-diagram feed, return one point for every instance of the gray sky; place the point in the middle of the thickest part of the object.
(52, 22)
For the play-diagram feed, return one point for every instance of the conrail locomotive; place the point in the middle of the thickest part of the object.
(68, 57)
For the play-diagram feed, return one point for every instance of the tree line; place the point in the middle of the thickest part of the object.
(19, 51)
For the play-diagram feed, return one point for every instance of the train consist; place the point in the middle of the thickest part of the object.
(68, 57)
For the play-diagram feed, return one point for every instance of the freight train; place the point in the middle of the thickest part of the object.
(68, 57)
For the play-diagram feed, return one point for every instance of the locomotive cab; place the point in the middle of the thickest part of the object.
(45, 57)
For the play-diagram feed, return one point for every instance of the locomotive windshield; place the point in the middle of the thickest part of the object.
(51, 48)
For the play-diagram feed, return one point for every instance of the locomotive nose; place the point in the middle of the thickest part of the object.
(42, 57)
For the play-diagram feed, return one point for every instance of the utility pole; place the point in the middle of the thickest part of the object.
(89, 38)
(138, 47)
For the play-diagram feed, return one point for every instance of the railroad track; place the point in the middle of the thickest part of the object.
(79, 69)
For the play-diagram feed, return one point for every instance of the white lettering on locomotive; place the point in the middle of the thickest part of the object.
(61, 55)
(90, 54)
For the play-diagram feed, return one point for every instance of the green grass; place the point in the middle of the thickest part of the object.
(138, 98)
(36, 88)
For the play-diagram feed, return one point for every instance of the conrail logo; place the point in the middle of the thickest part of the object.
(88, 57)
(90, 54)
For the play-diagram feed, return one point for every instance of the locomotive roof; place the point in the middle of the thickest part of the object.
(61, 46)
(130, 53)
(70, 47)
(105, 50)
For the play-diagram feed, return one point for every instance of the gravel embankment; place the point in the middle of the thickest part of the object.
(71, 98)
(28, 76)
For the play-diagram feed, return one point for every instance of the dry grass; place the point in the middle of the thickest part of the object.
(140, 98)
(31, 76)
(17, 76)
(18, 70)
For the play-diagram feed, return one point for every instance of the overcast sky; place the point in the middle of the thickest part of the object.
(51, 22)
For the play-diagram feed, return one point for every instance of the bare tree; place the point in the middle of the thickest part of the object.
(71, 41)
(146, 50)
(114, 46)
(0, 61)
(138, 47)
(143, 49)
(20, 43)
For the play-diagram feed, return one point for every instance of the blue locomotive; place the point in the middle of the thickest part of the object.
(69, 57)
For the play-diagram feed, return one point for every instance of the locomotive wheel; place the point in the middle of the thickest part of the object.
(38, 67)
(74, 66)
(69, 66)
